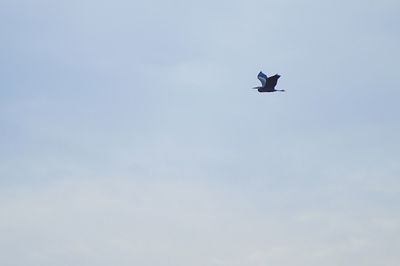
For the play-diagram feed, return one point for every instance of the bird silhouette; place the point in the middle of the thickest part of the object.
(268, 83)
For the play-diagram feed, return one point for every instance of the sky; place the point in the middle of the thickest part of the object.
(130, 134)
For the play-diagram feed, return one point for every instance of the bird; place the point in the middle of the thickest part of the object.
(268, 83)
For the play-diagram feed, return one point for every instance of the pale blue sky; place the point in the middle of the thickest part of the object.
(131, 135)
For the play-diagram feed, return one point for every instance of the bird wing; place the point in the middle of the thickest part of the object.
(263, 78)
(272, 81)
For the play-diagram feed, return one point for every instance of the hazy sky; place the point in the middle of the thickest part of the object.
(130, 134)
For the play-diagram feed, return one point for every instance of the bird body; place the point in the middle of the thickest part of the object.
(268, 83)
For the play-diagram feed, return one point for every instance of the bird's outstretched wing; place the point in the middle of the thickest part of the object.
(272, 81)
(263, 78)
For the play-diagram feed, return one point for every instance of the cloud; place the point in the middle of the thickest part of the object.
(129, 221)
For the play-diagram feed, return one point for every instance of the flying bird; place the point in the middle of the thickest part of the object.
(268, 83)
